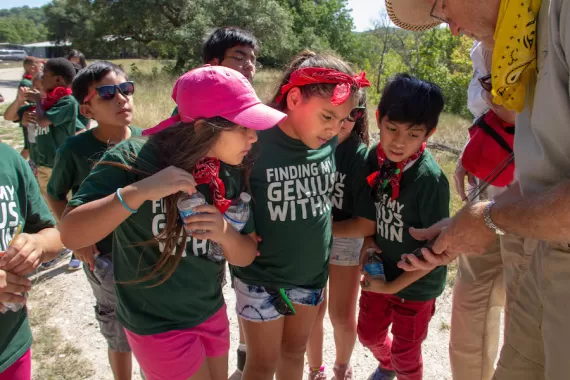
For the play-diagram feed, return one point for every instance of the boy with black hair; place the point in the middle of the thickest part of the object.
(234, 48)
(105, 95)
(57, 116)
(408, 190)
(231, 47)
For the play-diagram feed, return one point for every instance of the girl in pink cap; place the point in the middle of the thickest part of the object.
(168, 282)
(292, 181)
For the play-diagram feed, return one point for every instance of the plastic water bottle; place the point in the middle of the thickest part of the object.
(102, 266)
(374, 265)
(187, 203)
(237, 216)
(31, 127)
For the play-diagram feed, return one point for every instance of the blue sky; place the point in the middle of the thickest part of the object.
(363, 11)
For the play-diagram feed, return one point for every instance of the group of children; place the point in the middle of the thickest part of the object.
(319, 195)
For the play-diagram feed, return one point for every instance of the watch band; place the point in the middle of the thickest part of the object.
(489, 221)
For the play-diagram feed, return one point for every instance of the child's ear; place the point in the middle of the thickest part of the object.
(294, 98)
(215, 62)
(378, 118)
(86, 111)
(430, 133)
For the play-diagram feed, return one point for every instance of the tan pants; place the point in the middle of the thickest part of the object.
(537, 346)
(484, 285)
(44, 173)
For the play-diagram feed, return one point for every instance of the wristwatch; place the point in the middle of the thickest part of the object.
(489, 221)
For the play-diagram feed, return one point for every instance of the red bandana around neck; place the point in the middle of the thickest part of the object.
(207, 171)
(27, 76)
(390, 172)
(53, 97)
(316, 75)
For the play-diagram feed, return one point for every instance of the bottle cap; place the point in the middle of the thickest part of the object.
(245, 197)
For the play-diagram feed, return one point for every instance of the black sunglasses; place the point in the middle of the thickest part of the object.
(356, 114)
(281, 302)
(108, 92)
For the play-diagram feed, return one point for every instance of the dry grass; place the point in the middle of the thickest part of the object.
(53, 358)
(11, 64)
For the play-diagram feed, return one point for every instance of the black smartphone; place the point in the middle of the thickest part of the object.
(418, 251)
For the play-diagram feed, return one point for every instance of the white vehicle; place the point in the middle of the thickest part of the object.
(12, 55)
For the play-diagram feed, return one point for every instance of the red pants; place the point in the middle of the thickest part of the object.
(20, 370)
(409, 320)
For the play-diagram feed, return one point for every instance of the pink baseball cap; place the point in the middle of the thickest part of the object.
(211, 91)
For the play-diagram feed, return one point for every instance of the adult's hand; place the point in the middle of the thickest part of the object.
(459, 178)
(466, 233)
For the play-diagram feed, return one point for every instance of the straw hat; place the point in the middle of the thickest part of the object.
(411, 14)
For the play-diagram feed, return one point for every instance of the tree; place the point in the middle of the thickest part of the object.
(22, 25)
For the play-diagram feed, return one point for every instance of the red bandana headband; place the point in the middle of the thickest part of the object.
(317, 75)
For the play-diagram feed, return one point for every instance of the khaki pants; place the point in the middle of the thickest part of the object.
(44, 173)
(484, 285)
(538, 340)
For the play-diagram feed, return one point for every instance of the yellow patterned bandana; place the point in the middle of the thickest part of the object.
(514, 54)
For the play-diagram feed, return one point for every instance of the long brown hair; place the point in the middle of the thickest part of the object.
(182, 146)
(361, 125)
(308, 58)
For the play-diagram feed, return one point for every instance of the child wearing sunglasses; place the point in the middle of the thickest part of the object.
(409, 191)
(168, 285)
(292, 180)
(348, 200)
(105, 95)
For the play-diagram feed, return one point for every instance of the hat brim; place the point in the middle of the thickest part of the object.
(258, 117)
(413, 15)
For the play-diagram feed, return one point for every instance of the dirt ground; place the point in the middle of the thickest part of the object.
(69, 301)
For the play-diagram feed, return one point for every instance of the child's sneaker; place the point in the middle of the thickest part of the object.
(382, 374)
(74, 264)
(342, 372)
(317, 374)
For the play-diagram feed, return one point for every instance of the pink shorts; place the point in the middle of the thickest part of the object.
(20, 370)
(179, 354)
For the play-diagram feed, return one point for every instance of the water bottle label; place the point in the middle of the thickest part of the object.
(186, 213)
(375, 269)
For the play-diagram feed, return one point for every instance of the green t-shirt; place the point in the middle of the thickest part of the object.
(291, 187)
(20, 202)
(174, 111)
(25, 83)
(73, 163)
(65, 122)
(20, 112)
(423, 201)
(351, 193)
(194, 291)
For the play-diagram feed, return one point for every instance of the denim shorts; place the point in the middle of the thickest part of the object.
(254, 304)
